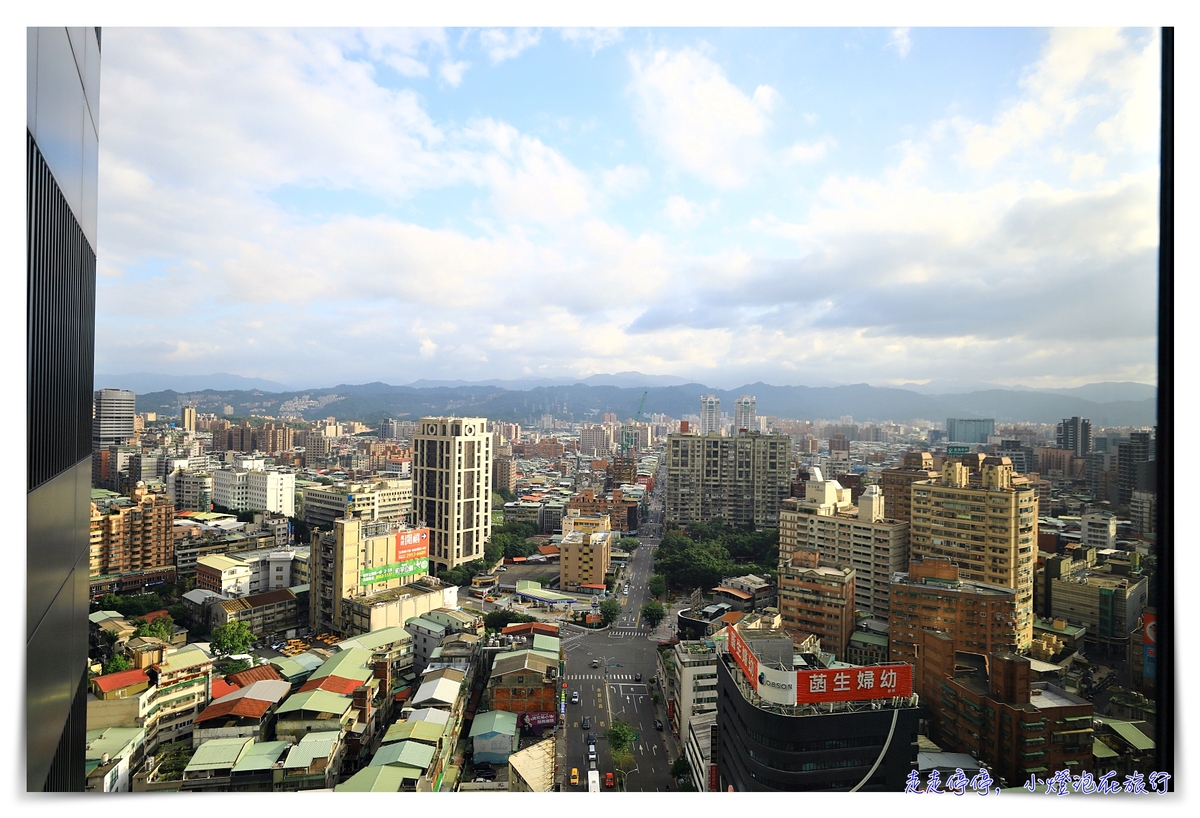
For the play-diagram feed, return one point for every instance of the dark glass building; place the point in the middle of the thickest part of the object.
(61, 155)
(773, 748)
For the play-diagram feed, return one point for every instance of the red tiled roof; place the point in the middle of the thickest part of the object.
(221, 687)
(242, 707)
(401, 695)
(548, 550)
(334, 684)
(530, 627)
(115, 681)
(732, 617)
(150, 617)
(600, 586)
(259, 673)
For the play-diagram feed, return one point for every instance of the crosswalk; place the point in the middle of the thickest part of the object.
(598, 677)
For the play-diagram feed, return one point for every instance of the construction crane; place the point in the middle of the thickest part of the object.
(638, 417)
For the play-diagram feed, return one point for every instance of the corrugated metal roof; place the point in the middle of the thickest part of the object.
(425, 731)
(404, 754)
(100, 616)
(258, 673)
(111, 740)
(185, 657)
(494, 721)
(261, 756)
(1102, 750)
(429, 714)
(349, 664)
(1128, 731)
(318, 701)
(218, 753)
(439, 690)
(378, 779)
(376, 639)
(312, 746)
(334, 684)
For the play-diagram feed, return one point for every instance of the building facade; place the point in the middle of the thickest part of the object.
(987, 530)
(741, 480)
(897, 484)
(1074, 433)
(452, 487)
(133, 536)
(970, 430)
(817, 599)
(745, 418)
(584, 558)
(62, 160)
(710, 415)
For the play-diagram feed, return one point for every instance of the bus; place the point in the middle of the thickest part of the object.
(593, 781)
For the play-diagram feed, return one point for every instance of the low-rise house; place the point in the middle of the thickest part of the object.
(494, 736)
(247, 712)
(182, 687)
(384, 778)
(532, 769)
(119, 685)
(265, 614)
(314, 763)
(112, 755)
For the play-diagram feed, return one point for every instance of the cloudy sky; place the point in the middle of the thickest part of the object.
(797, 206)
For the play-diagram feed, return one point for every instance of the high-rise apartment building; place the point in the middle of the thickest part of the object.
(744, 415)
(988, 530)
(595, 440)
(826, 521)
(742, 479)
(710, 414)
(61, 161)
(817, 599)
(187, 418)
(452, 487)
(132, 533)
(387, 499)
(929, 596)
(584, 558)
(112, 425)
(970, 430)
(1129, 456)
(897, 484)
(1075, 434)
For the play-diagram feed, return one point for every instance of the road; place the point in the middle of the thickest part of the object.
(611, 690)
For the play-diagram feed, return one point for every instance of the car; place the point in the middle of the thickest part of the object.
(587, 722)
(658, 724)
(591, 753)
(575, 776)
(637, 677)
(483, 766)
(575, 697)
(609, 783)
(501, 569)
(591, 739)
(595, 663)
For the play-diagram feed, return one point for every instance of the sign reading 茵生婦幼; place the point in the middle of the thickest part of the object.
(744, 657)
(853, 683)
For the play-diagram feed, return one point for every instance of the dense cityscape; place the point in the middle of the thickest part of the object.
(646, 603)
(895, 516)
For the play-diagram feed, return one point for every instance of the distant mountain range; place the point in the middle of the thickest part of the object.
(1107, 404)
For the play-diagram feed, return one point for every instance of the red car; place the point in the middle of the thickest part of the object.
(608, 781)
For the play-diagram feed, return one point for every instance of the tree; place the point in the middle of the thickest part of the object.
(620, 736)
(236, 667)
(657, 584)
(300, 530)
(117, 664)
(623, 762)
(653, 612)
(498, 620)
(628, 543)
(232, 638)
(681, 768)
(610, 609)
(161, 628)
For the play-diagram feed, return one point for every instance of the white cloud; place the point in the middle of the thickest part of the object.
(900, 42)
(683, 213)
(595, 38)
(1060, 88)
(699, 120)
(504, 44)
(811, 151)
(624, 180)
(452, 72)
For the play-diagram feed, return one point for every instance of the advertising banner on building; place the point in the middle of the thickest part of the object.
(853, 684)
(1149, 645)
(411, 558)
(539, 719)
(744, 657)
(778, 686)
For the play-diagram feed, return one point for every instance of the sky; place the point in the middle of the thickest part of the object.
(792, 205)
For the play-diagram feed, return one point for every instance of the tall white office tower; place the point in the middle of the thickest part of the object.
(744, 416)
(710, 414)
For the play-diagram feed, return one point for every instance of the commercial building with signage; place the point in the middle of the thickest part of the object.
(360, 558)
(787, 726)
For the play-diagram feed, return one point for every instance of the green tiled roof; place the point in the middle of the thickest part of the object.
(261, 756)
(378, 779)
(494, 721)
(217, 754)
(404, 754)
(312, 746)
(426, 731)
(319, 701)
(1126, 730)
(347, 664)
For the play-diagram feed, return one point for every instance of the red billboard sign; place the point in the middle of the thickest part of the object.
(744, 657)
(853, 684)
(714, 778)
(412, 545)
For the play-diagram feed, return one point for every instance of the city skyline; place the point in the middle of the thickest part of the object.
(724, 205)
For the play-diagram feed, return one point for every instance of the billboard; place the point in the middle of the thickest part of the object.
(744, 657)
(853, 684)
(778, 686)
(539, 719)
(957, 450)
(410, 558)
(1149, 645)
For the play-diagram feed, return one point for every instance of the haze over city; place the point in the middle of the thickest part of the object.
(796, 206)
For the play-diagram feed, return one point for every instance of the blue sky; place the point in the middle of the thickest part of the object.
(792, 205)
